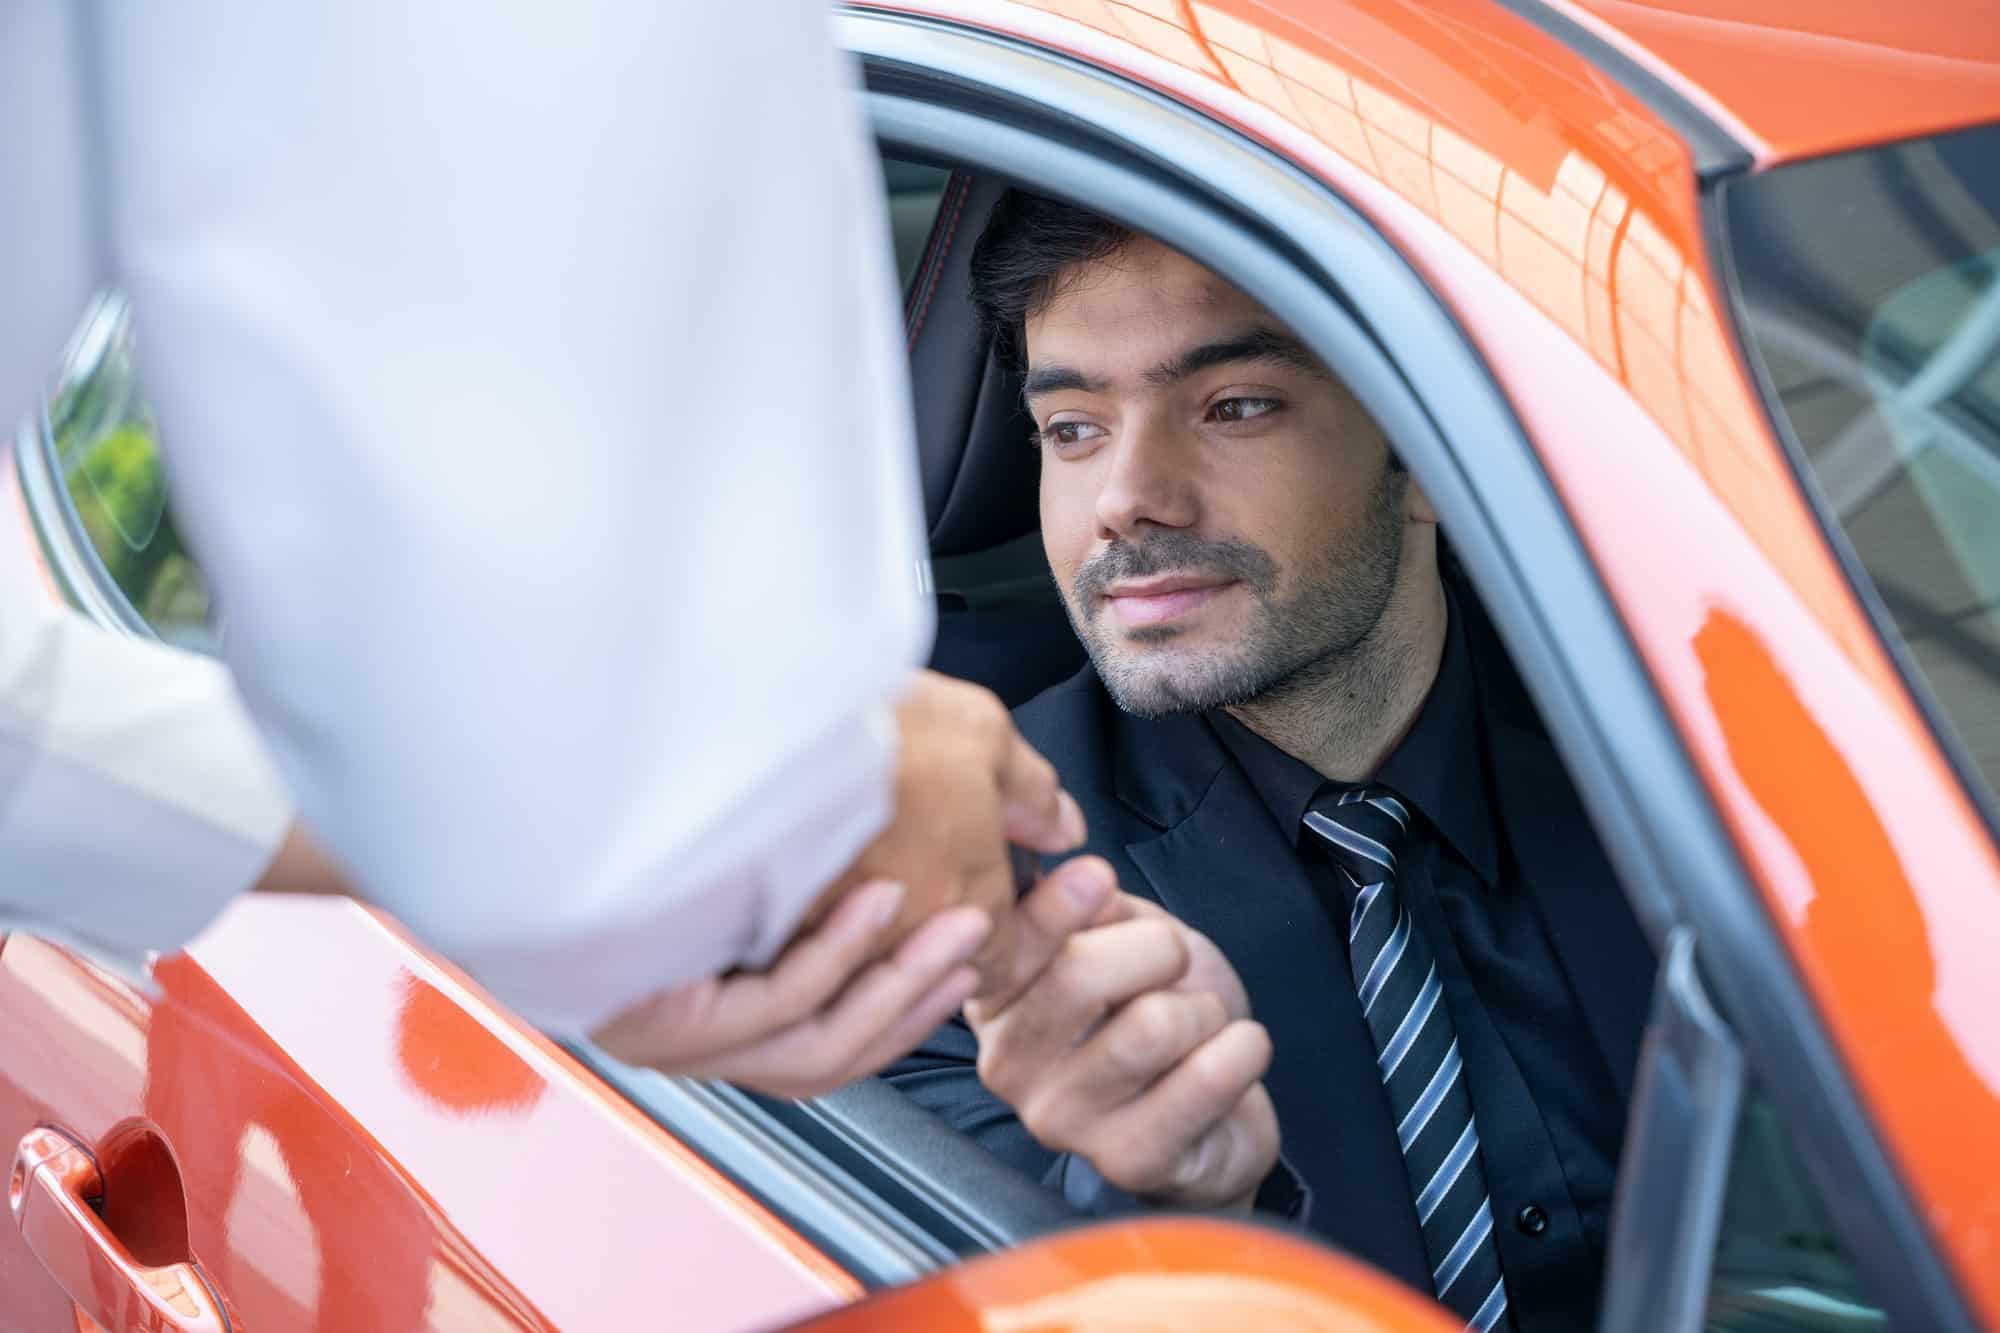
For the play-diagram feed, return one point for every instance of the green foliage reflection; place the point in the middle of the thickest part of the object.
(107, 446)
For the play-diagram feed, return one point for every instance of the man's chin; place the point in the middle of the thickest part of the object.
(1155, 689)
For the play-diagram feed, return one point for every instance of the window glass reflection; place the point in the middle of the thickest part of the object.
(1868, 288)
(107, 450)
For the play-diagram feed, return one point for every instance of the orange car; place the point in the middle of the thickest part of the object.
(1684, 313)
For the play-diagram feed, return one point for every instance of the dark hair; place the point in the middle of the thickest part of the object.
(1018, 265)
(1029, 243)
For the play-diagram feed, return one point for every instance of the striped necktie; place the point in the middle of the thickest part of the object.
(1402, 1000)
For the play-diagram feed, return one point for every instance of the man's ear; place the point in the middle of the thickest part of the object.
(1417, 505)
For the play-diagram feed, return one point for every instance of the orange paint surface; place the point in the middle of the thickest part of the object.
(1558, 220)
(1799, 80)
(1150, 1274)
(364, 1143)
(454, 1060)
(1893, 1028)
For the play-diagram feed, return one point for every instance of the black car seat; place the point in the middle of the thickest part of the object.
(1000, 618)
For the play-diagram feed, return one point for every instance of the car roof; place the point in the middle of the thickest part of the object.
(1797, 80)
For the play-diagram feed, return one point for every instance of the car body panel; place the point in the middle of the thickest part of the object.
(1797, 80)
(1153, 1273)
(365, 1142)
(1559, 219)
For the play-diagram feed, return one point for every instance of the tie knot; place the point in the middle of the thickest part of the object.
(1362, 828)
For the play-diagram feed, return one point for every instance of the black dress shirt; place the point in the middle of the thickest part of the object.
(1549, 1112)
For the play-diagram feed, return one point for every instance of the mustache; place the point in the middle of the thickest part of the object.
(1176, 553)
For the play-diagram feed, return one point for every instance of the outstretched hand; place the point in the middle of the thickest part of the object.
(923, 919)
(827, 1012)
(967, 789)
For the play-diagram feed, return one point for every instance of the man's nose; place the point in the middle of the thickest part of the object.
(1149, 483)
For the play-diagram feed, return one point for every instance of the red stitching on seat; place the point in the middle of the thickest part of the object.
(942, 252)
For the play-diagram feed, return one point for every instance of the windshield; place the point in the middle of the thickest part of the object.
(1867, 289)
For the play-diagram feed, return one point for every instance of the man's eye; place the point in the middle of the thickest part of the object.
(1060, 433)
(1243, 409)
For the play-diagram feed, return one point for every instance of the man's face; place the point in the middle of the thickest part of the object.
(1220, 513)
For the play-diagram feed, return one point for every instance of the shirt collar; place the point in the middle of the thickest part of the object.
(1438, 766)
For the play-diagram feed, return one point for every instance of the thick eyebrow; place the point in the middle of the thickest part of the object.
(1258, 344)
(1267, 345)
(1055, 379)
(1255, 344)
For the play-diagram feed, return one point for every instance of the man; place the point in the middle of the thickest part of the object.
(1299, 736)
(586, 650)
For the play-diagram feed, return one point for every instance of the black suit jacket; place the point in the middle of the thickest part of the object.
(1174, 814)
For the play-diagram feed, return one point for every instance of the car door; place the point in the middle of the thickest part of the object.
(1518, 297)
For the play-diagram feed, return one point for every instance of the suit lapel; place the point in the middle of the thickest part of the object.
(1221, 865)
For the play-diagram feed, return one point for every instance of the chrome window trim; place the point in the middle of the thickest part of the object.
(959, 92)
(841, 1218)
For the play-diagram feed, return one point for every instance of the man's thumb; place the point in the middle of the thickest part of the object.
(1072, 897)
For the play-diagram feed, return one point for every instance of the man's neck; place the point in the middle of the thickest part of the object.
(1346, 716)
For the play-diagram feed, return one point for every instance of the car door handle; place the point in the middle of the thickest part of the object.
(51, 1190)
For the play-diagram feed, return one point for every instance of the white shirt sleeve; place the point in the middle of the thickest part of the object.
(135, 797)
(535, 402)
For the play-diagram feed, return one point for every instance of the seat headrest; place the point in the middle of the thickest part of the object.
(980, 471)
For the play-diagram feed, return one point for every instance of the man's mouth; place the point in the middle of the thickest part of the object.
(1155, 601)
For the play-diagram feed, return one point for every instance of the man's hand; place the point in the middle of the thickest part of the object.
(966, 786)
(824, 1014)
(1133, 1048)
(831, 1009)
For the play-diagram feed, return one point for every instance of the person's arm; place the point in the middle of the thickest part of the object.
(534, 398)
(135, 797)
(50, 257)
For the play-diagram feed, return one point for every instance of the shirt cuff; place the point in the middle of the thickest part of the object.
(135, 797)
(1284, 1195)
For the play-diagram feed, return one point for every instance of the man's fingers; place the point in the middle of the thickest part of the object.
(811, 972)
(697, 1021)
(889, 1008)
(992, 889)
(1140, 1043)
(919, 1019)
(1178, 1112)
(1232, 1159)
(1097, 972)
(1066, 900)
(888, 1011)
(1039, 813)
